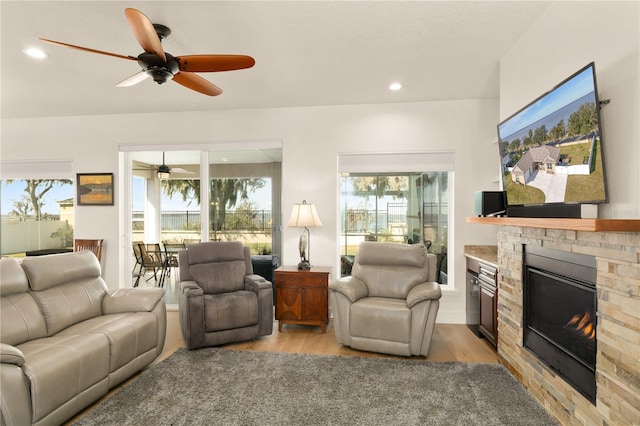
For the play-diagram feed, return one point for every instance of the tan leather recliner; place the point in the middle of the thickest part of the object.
(221, 300)
(390, 302)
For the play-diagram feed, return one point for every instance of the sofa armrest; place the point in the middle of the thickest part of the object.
(131, 300)
(15, 403)
(191, 308)
(190, 289)
(424, 291)
(351, 287)
(11, 355)
(256, 282)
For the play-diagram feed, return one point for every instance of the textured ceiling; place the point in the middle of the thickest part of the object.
(307, 53)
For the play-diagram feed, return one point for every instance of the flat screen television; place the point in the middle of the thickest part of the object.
(551, 150)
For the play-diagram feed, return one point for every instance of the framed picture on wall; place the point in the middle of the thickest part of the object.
(95, 189)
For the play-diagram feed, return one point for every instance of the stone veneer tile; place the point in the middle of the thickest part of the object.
(560, 234)
(623, 239)
(606, 253)
(629, 307)
(557, 245)
(627, 286)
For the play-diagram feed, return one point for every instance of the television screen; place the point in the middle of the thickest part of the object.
(551, 150)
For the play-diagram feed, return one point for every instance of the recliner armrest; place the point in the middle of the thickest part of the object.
(131, 300)
(9, 354)
(190, 289)
(256, 282)
(351, 287)
(424, 291)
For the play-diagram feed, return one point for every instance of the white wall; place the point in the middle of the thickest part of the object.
(566, 37)
(311, 137)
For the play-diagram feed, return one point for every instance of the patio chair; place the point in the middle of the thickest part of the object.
(139, 263)
(148, 256)
(171, 251)
(154, 257)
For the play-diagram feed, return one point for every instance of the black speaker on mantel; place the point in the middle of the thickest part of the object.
(490, 203)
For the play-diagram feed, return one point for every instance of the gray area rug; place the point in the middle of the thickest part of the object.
(226, 387)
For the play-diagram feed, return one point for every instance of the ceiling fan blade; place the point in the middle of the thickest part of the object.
(184, 171)
(86, 49)
(134, 79)
(195, 82)
(145, 32)
(214, 63)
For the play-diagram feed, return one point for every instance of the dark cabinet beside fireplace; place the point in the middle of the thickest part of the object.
(486, 277)
(488, 280)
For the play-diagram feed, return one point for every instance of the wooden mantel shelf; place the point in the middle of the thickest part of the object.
(589, 225)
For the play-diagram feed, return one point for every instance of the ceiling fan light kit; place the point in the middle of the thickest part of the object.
(164, 172)
(162, 66)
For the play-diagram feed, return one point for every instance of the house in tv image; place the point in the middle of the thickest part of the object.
(541, 158)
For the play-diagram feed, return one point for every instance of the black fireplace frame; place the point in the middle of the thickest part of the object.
(576, 269)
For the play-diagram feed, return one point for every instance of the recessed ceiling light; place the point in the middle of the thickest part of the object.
(395, 86)
(35, 53)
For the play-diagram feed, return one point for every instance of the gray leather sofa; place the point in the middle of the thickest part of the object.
(220, 299)
(65, 340)
(390, 302)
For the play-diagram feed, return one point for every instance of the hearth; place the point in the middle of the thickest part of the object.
(559, 310)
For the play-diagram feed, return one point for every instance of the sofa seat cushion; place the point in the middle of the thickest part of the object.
(129, 334)
(61, 367)
(381, 318)
(230, 310)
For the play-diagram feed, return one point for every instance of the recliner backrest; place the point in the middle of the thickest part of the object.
(391, 269)
(20, 317)
(217, 266)
(68, 287)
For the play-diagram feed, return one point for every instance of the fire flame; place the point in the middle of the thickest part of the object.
(583, 324)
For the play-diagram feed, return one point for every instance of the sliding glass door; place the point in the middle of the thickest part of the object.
(241, 201)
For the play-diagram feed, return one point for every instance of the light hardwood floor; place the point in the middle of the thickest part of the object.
(451, 342)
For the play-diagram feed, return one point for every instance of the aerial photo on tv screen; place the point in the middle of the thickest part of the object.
(551, 150)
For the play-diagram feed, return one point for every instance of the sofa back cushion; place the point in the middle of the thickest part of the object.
(20, 316)
(390, 269)
(68, 287)
(217, 267)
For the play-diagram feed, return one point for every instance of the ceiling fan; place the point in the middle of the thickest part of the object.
(164, 172)
(162, 66)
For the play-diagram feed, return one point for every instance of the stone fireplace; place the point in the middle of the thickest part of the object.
(616, 251)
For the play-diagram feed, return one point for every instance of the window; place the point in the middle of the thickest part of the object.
(37, 214)
(407, 208)
(407, 205)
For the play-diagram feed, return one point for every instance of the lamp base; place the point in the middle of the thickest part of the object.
(304, 265)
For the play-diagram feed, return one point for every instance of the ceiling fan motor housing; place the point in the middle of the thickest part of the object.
(164, 169)
(161, 71)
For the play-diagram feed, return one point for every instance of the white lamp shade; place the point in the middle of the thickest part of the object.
(304, 215)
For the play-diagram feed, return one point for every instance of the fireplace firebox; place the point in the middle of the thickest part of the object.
(560, 314)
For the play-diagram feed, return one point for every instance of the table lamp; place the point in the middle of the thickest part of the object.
(304, 216)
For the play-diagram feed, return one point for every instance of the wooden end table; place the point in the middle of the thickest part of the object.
(302, 296)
